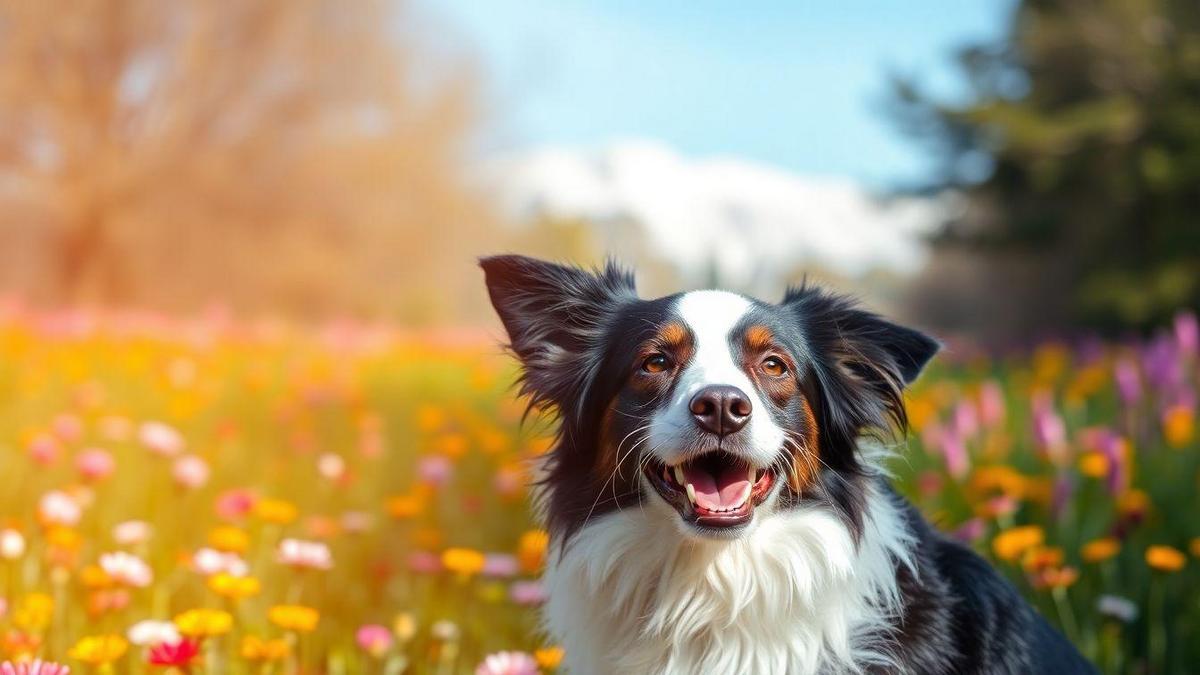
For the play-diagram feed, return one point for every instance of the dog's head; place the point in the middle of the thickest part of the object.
(725, 408)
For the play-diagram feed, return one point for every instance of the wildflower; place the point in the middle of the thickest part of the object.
(1129, 381)
(228, 539)
(12, 544)
(404, 626)
(296, 618)
(235, 504)
(127, 569)
(434, 469)
(508, 663)
(95, 464)
(209, 561)
(58, 508)
(1165, 558)
(161, 438)
(301, 554)
(1179, 425)
(99, 650)
(1042, 557)
(1116, 607)
(202, 623)
(35, 667)
(1133, 504)
(1055, 577)
(1093, 464)
(1010, 544)
(131, 532)
(406, 506)
(531, 550)
(549, 657)
(20, 646)
(463, 561)
(150, 632)
(1099, 550)
(34, 612)
(991, 403)
(508, 481)
(500, 565)
(234, 587)
(190, 471)
(1187, 333)
(357, 521)
(444, 630)
(275, 511)
(44, 449)
(374, 639)
(331, 466)
(256, 649)
(180, 653)
(527, 593)
(424, 562)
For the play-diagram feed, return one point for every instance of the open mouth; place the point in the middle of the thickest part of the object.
(716, 489)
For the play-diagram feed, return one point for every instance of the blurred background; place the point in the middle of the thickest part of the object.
(241, 237)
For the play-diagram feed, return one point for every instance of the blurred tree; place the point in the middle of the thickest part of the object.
(1078, 150)
(290, 154)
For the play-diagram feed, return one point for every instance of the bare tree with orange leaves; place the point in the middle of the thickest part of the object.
(296, 154)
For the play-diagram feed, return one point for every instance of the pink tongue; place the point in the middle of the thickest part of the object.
(729, 488)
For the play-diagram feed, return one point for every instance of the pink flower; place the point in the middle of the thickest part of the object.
(180, 653)
(991, 403)
(305, 554)
(95, 464)
(235, 504)
(131, 532)
(1129, 381)
(424, 562)
(35, 667)
(331, 466)
(67, 427)
(190, 472)
(374, 639)
(434, 469)
(500, 565)
(208, 561)
(357, 521)
(1187, 333)
(126, 568)
(966, 420)
(508, 663)
(527, 592)
(44, 449)
(161, 438)
(115, 428)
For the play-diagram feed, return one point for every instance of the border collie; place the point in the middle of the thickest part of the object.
(715, 499)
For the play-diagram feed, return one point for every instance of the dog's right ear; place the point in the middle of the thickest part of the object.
(555, 317)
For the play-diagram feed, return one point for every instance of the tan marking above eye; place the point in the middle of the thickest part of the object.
(759, 338)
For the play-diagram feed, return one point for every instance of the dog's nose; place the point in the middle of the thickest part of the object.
(720, 409)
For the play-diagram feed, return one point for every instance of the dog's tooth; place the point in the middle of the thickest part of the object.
(679, 478)
(691, 493)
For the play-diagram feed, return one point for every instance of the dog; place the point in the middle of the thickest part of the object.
(714, 497)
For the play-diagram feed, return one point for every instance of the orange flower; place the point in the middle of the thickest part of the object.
(34, 612)
(406, 506)
(276, 511)
(1099, 550)
(1165, 558)
(549, 657)
(1042, 557)
(531, 550)
(1055, 577)
(234, 588)
(463, 561)
(228, 539)
(1093, 464)
(1134, 503)
(1179, 426)
(1010, 544)
(256, 649)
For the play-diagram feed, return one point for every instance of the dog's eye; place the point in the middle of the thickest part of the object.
(773, 366)
(656, 363)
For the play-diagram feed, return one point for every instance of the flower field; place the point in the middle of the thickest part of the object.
(214, 496)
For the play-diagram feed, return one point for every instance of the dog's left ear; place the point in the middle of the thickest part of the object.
(555, 316)
(861, 362)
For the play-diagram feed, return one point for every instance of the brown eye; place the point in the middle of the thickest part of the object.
(656, 363)
(773, 366)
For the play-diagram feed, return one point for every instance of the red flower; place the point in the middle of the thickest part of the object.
(181, 653)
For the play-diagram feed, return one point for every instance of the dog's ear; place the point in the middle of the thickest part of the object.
(861, 363)
(555, 317)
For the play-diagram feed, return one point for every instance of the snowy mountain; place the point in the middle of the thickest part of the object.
(749, 220)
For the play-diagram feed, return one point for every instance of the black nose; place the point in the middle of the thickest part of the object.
(720, 409)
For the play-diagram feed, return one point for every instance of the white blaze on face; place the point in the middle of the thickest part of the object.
(712, 316)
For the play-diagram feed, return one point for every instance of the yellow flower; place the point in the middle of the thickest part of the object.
(203, 622)
(99, 650)
(1099, 550)
(1093, 464)
(294, 617)
(1179, 426)
(257, 649)
(93, 576)
(275, 511)
(404, 626)
(548, 657)
(531, 550)
(34, 612)
(462, 561)
(1010, 544)
(228, 539)
(990, 481)
(234, 588)
(1165, 558)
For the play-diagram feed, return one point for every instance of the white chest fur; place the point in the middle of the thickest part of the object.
(795, 595)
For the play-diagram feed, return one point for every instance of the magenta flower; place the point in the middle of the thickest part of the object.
(374, 639)
(1049, 431)
(1129, 381)
(95, 464)
(35, 667)
(508, 663)
(1187, 333)
(991, 404)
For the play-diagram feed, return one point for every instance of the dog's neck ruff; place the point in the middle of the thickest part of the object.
(628, 594)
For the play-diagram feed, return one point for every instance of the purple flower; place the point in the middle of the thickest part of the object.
(434, 469)
(1187, 333)
(970, 531)
(1129, 381)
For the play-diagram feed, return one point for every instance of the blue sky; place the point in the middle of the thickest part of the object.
(796, 84)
